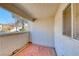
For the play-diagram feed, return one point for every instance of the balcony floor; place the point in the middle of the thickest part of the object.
(36, 50)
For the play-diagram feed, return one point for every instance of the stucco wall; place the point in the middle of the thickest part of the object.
(9, 43)
(64, 45)
(43, 32)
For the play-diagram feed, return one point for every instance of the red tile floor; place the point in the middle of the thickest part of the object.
(36, 50)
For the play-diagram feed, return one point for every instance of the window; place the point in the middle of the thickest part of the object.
(76, 21)
(71, 26)
(10, 22)
(67, 21)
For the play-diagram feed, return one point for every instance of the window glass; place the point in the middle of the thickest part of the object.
(76, 21)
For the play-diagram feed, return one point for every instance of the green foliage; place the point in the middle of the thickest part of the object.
(23, 30)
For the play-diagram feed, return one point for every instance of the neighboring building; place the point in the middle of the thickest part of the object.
(0, 27)
(7, 27)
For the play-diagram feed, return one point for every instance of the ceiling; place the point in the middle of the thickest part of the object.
(39, 10)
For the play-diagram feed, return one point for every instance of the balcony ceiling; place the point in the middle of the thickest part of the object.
(39, 10)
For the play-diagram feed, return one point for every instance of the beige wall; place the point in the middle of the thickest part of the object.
(9, 43)
(64, 45)
(43, 32)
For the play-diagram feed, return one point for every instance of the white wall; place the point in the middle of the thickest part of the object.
(42, 32)
(9, 43)
(64, 45)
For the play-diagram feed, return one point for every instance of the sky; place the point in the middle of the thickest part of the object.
(6, 17)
